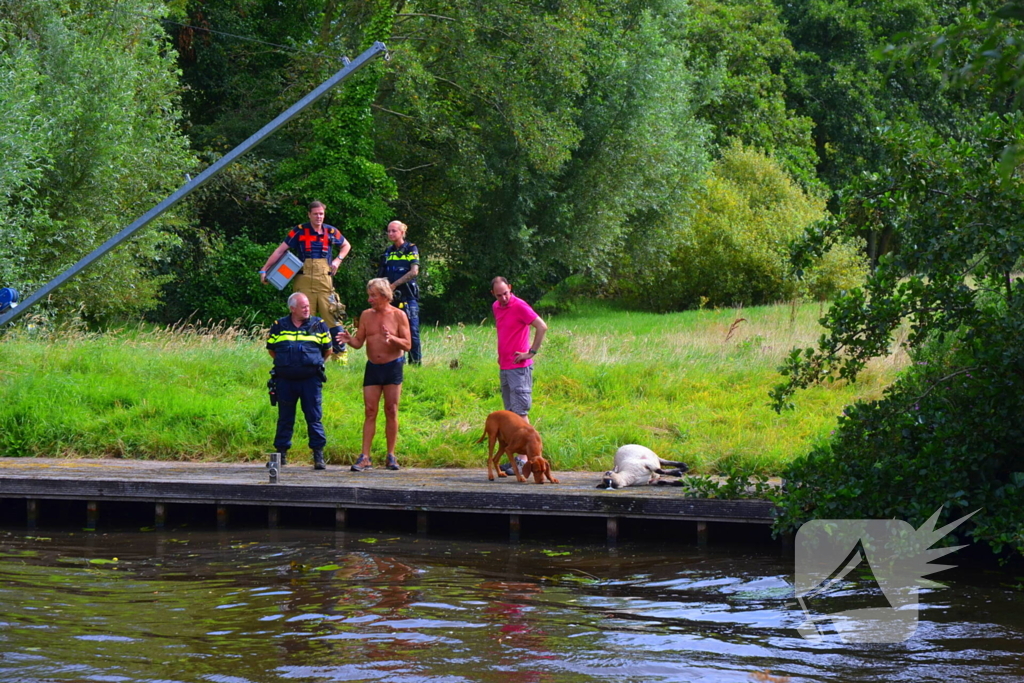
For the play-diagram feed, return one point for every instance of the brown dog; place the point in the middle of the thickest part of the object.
(540, 469)
(514, 435)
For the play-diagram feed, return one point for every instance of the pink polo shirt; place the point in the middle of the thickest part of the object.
(513, 325)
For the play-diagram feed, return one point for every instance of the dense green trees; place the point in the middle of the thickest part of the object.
(243, 64)
(541, 141)
(948, 433)
(742, 46)
(841, 83)
(523, 139)
(22, 133)
(531, 141)
(537, 140)
(90, 142)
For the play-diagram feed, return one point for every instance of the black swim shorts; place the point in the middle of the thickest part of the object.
(386, 373)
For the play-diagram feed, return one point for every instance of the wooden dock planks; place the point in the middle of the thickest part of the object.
(425, 490)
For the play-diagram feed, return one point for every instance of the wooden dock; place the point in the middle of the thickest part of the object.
(101, 488)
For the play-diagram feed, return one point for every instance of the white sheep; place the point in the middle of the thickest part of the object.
(638, 465)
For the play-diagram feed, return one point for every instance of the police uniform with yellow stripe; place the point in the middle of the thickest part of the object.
(395, 263)
(299, 374)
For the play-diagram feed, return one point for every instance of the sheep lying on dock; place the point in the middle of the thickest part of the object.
(636, 465)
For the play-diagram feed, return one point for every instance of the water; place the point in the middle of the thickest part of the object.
(317, 606)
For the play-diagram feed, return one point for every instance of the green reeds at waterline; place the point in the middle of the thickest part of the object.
(692, 386)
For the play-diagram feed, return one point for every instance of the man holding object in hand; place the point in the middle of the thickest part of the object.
(385, 331)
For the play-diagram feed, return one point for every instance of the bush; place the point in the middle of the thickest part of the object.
(841, 268)
(947, 434)
(223, 285)
(566, 296)
(735, 248)
(226, 286)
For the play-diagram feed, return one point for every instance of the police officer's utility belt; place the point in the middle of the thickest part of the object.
(299, 371)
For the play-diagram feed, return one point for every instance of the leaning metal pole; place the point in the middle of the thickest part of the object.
(351, 67)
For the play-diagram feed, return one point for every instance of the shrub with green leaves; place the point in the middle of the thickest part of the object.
(949, 433)
(225, 285)
(734, 248)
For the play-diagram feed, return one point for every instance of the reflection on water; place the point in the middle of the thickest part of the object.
(300, 605)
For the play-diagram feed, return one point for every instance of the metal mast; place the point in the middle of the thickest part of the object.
(351, 67)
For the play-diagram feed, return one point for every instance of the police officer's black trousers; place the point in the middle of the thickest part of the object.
(289, 393)
(412, 311)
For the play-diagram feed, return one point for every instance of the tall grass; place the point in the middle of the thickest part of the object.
(693, 386)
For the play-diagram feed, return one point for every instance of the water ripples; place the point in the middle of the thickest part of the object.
(300, 605)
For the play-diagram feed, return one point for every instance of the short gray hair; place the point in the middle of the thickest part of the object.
(294, 298)
(381, 285)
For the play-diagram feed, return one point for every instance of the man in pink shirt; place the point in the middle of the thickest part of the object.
(513, 319)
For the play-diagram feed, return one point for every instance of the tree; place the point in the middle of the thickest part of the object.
(980, 48)
(948, 432)
(531, 141)
(96, 129)
(476, 118)
(22, 133)
(528, 139)
(743, 44)
(245, 62)
(643, 154)
(850, 91)
(338, 166)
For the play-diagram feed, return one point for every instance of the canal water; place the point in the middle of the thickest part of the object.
(286, 605)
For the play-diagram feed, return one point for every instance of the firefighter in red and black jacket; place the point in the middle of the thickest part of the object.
(299, 344)
(313, 241)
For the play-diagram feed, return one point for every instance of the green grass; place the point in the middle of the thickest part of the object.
(692, 386)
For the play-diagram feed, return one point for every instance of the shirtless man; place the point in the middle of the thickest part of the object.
(385, 331)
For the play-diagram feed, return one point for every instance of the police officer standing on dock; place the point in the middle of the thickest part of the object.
(299, 344)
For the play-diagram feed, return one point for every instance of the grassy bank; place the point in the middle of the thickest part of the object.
(692, 386)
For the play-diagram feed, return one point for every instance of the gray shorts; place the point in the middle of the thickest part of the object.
(517, 389)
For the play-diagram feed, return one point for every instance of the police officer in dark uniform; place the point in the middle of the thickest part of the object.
(299, 344)
(400, 264)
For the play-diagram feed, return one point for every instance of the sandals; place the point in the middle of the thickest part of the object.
(363, 463)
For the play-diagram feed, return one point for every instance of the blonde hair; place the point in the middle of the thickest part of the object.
(380, 285)
(401, 225)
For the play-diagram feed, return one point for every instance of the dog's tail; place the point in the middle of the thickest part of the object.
(482, 437)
